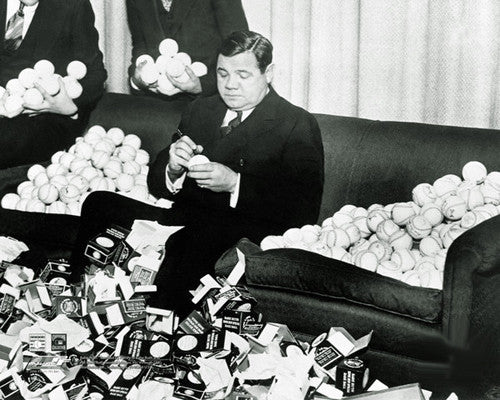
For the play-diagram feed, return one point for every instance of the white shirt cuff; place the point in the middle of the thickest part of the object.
(174, 187)
(235, 194)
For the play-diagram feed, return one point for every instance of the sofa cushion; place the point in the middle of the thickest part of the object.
(306, 272)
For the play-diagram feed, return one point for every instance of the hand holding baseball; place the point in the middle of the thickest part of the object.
(60, 103)
(214, 176)
(180, 153)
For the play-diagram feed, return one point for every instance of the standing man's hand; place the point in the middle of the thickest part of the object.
(180, 153)
(60, 103)
(192, 85)
(214, 176)
(4, 112)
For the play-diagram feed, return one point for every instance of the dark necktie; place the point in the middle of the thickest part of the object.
(14, 31)
(232, 124)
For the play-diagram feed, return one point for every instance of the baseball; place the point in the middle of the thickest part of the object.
(390, 269)
(100, 158)
(272, 242)
(432, 213)
(35, 205)
(76, 69)
(74, 208)
(454, 207)
(440, 260)
(25, 187)
(423, 193)
(126, 153)
(310, 233)
(89, 173)
(144, 58)
(112, 169)
(33, 97)
(73, 88)
(474, 171)
(41, 179)
(132, 140)
(183, 58)
(197, 160)
(444, 187)
(338, 253)
(106, 145)
(13, 103)
(359, 212)
(59, 181)
(199, 69)
(361, 223)
(149, 73)
(56, 169)
(430, 245)
(78, 164)
(27, 77)
(175, 67)
(15, 87)
(50, 84)
(10, 200)
(131, 168)
(168, 47)
(22, 204)
(404, 258)
(375, 217)
(366, 260)
(140, 179)
(418, 227)
(69, 194)
(56, 157)
(124, 182)
(161, 63)
(44, 68)
(166, 87)
(490, 194)
(402, 212)
(99, 183)
(385, 229)
(57, 207)
(411, 278)
(431, 279)
(337, 237)
(352, 231)
(341, 218)
(473, 197)
(493, 179)
(66, 159)
(81, 183)
(48, 193)
(381, 249)
(116, 135)
(359, 246)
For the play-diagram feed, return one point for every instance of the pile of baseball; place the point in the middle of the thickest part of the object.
(100, 160)
(170, 62)
(22, 90)
(405, 241)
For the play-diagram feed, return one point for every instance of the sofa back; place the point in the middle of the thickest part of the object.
(369, 161)
(366, 161)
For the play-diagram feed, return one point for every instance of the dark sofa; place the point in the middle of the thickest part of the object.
(420, 334)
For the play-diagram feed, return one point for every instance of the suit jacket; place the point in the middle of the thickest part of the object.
(61, 31)
(277, 150)
(198, 26)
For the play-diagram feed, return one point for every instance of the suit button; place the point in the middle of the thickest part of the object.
(242, 162)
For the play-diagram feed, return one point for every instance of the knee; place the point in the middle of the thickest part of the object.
(99, 201)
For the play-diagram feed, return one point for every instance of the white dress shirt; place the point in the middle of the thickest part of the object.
(174, 187)
(29, 12)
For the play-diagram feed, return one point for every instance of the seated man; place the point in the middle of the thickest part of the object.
(60, 32)
(265, 173)
(197, 26)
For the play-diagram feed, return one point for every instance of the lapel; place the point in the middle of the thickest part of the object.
(3, 16)
(151, 13)
(41, 35)
(181, 9)
(258, 123)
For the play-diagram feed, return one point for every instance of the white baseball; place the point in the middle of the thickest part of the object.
(474, 171)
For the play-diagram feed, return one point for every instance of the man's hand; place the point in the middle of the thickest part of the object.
(60, 103)
(4, 112)
(214, 176)
(180, 153)
(192, 85)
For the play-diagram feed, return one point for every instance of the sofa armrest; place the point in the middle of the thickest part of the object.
(472, 272)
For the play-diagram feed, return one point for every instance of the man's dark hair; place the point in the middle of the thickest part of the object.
(241, 41)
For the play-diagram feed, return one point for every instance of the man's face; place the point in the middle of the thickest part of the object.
(240, 82)
(29, 2)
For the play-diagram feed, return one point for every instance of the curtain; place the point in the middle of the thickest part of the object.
(407, 60)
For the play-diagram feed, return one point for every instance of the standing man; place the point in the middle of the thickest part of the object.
(59, 31)
(198, 26)
(264, 176)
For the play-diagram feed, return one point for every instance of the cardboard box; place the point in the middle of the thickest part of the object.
(351, 375)
(101, 249)
(411, 391)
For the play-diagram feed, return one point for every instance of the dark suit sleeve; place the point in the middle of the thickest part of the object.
(86, 49)
(291, 194)
(138, 40)
(230, 17)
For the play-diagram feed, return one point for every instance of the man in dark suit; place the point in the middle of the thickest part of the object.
(198, 26)
(265, 172)
(60, 31)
